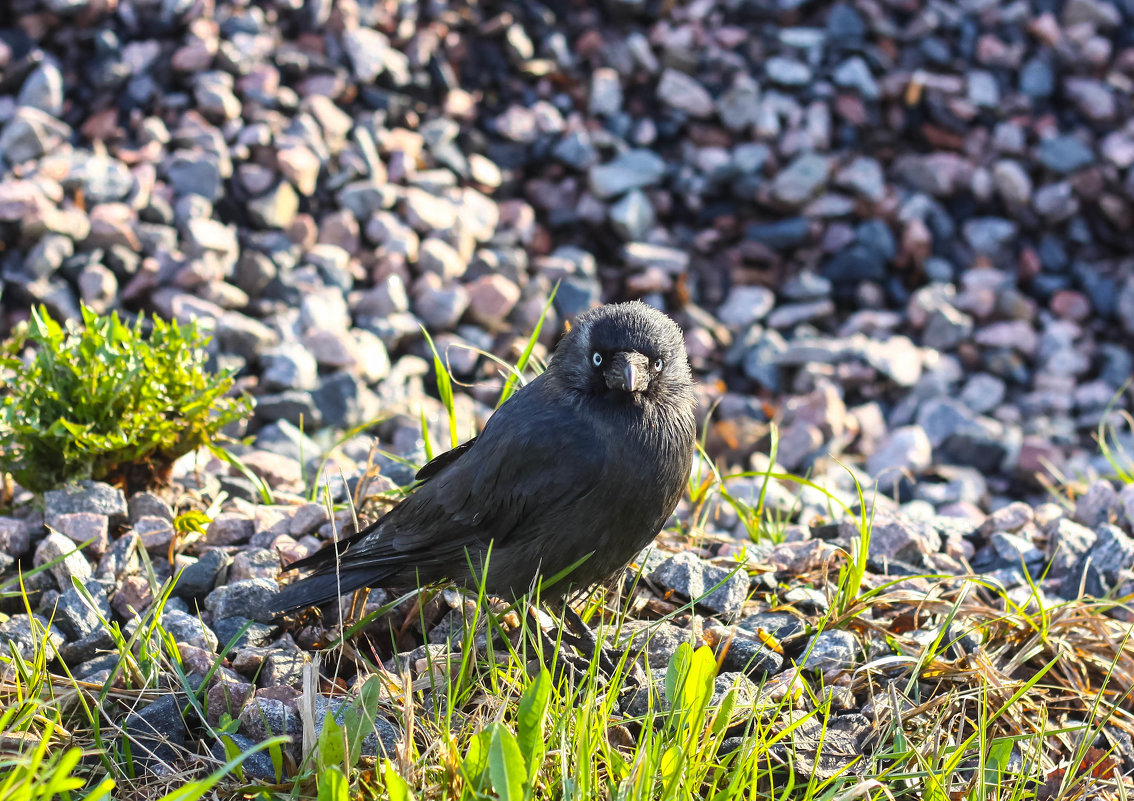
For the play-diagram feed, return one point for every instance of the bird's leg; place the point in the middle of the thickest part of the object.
(358, 601)
(410, 618)
(582, 638)
(557, 660)
(633, 678)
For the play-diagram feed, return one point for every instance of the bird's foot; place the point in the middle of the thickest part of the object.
(560, 662)
(581, 637)
(584, 655)
(610, 661)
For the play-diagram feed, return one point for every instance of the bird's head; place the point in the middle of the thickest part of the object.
(627, 351)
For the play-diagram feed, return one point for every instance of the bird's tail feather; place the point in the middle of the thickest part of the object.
(322, 588)
(326, 555)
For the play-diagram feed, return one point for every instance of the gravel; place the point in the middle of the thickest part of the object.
(902, 236)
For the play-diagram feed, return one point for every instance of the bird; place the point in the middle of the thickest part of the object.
(575, 473)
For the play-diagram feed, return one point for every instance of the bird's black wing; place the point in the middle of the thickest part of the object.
(427, 471)
(532, 459)
(442, 460)
(536, 456)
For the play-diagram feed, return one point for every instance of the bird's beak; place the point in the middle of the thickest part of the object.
(630, 376)
(628, 372)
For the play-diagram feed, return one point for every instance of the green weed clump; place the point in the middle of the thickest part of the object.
(104, 400)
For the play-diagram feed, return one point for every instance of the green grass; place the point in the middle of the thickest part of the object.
(106, 400)
(497, 724)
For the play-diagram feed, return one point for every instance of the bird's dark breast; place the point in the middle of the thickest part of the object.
(646, 469)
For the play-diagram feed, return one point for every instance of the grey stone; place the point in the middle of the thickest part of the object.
(1099, 504)
(15, 539)
(440, 308)
(902, 538)
(678, 90)
(1011, 517)
(121, 559)
(780, 235)
(863, 176)
(249, 598)
(989, 234)
(658, 640)
(983, 89)
(576, 150)
(1056, 202)
(1012, 182)
(1098, 13)
(18, 631)
(1064, 154)
(739, 107)
(855, 74)
(831, 650)
(801, 180)
(439, 257)
(85, 496)
(942, 417)
(254, 563)
(71, 563)
(363, 199)
(47, 256)
(283, 667)
(286, 440)
(748, 656)
(102, 179)
(229, 528)
(367, 50)
(307, 519)
(244, 336)
(157, 534)
(428, 213)
(983, 392)
(147, 504)
(632, 217)
(262, 718)
(276, 208)
(288, 365)
(156, 734)
(695, 579)
(787, 71)
(185, 628)
(198, 579)
(761, 362)
(383, 741)
(298, 407)
(906, 448)
(344, 401)
(247, 633)
(29, 134)
(77, 619)
(256, 765)
(43, 89)
(946, 328)
(633, 169)
(1110, 563)
(642, 255)
(746, 305)
(194, 173)
(1037, 78)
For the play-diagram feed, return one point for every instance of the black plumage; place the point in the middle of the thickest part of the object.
(586, 463)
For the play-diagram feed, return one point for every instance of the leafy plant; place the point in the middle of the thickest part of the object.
(105, 401)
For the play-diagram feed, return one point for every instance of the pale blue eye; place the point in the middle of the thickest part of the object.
(596, 359)
(658, 365)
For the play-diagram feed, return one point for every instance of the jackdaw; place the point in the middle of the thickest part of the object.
(576, 473)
